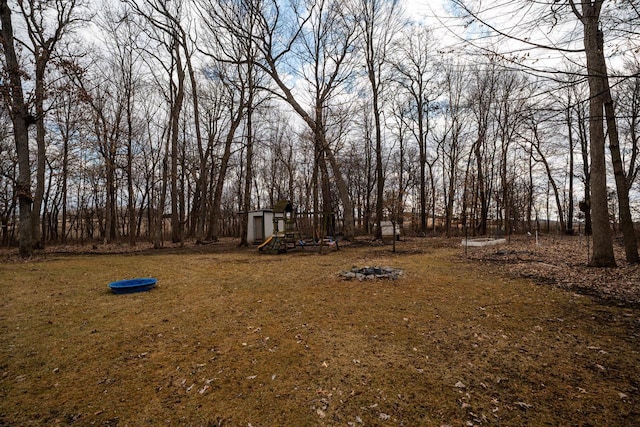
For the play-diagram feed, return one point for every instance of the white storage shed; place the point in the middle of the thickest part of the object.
(260, 226)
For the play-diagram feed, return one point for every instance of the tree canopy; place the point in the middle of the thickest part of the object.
(144, 119)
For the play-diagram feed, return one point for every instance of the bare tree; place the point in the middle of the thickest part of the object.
(569, 119)
(122, 33)
(47, 22)
(358, 165)
(621, 178)
(236, 103)
(233, 48)
(589, 14)
(415, 69)
(580, 110)
(21, 120)
(210, 106)
(451, 139)
(379, 21)
(537, 154)
(483, 91)
(628, 102)
(108, 115)
(511, 110)
(319, 35)
(8, 170)
(69, 119)
(403, 168)
(165, 26)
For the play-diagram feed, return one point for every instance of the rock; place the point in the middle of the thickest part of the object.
(372, 273)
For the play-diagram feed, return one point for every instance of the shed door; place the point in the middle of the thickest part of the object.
(258, 228)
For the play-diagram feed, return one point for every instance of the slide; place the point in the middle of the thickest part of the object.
(265, 243)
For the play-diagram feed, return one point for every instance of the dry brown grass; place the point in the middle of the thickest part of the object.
(242, 338)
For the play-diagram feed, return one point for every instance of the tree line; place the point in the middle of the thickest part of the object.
(152, 120)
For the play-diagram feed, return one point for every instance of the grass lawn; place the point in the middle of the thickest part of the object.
(242, 338)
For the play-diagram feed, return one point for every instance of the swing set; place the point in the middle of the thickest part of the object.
(287, 234)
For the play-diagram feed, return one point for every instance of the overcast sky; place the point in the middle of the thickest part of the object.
(426, 10)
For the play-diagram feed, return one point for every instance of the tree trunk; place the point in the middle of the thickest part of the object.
(369, 178)
(484, 206)
(379, 169)
(325, 182)
(21, 120)
(65, 179)
(200, 197)
(569, 229)
(246, 202)
(505, 187)
(315, 191)
(110, 199)
(399, 207)
(343, 191)
(585, 205)
(602, 255)
(131, 198)
(530, 194)
(622, 188)
(37, 232)
(422, 159)
(551, 181)
(159, 220)
(176, 224)
(325, 187)
(432, 187)
(214, 219)
(451, 189)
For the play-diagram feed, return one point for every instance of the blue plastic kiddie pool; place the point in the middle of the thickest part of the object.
(128, 286)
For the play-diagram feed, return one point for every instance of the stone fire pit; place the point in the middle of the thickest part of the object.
(372, 273)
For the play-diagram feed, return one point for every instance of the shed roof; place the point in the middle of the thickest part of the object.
(257, 211)
(283, 206)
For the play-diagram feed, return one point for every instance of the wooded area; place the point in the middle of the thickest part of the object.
(150, 120)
